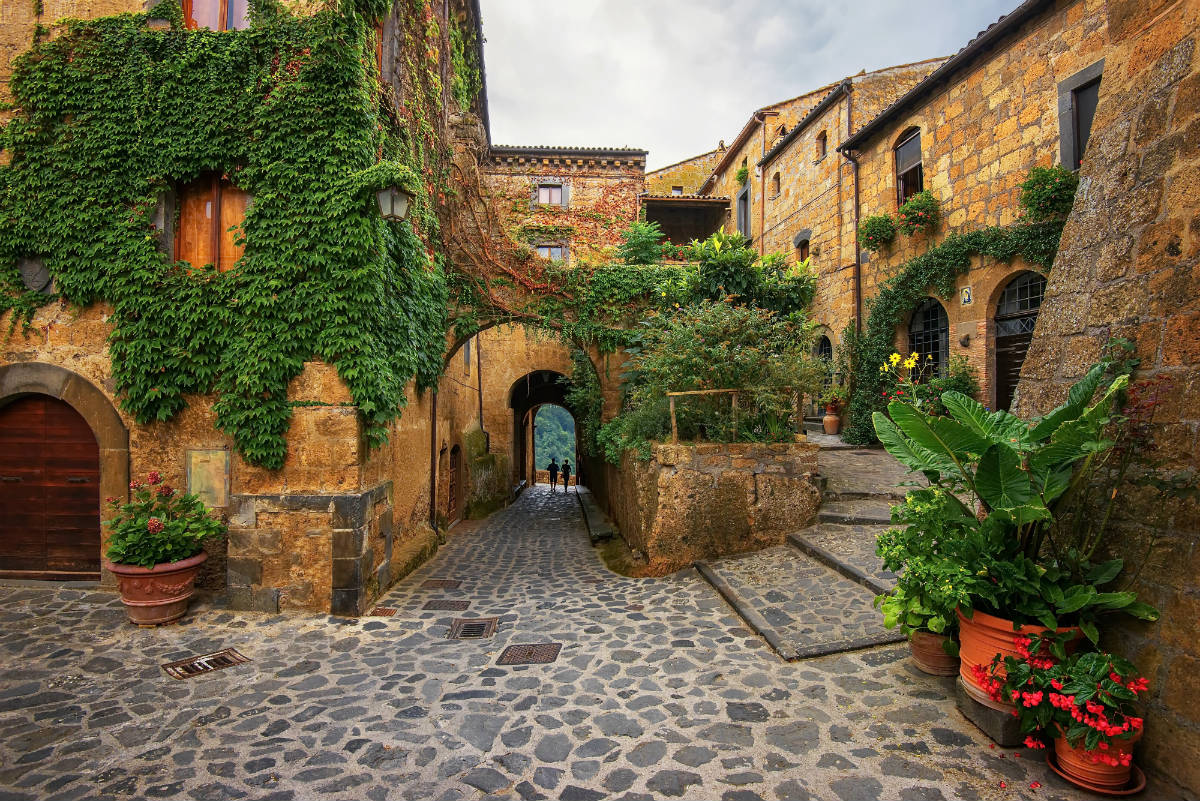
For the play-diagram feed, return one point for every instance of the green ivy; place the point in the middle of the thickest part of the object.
(936, 269)
(466, 80)
(111, 115)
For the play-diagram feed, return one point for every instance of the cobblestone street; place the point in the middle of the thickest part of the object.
(660, 691)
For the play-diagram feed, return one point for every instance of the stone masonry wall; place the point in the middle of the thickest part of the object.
(689, 173)
(980, 136)
(1129, 266)
(699, 501)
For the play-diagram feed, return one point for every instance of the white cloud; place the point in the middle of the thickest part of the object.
(675, 76)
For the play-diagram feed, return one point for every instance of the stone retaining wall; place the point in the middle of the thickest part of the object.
(699, 501)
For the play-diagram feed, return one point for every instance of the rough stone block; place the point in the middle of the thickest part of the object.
(248, 599)
(347, 574)
(243, 571)
(345, 603)
(1002, 727)
(348, 542)
(349, 511)
(383, 574)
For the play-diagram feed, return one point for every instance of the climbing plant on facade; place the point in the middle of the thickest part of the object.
(111, 115)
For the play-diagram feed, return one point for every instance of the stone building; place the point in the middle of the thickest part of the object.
(1128, 267)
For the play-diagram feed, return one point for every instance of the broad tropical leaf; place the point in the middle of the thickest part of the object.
(1000, 481)
(943, 437)
(908, 453)
(1077, 399)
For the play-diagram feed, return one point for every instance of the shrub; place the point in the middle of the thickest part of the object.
(640, 243)
(919, 213)
(1048, 193)
(158, 526)
(713, 345)
(743, 174)
(876, 232)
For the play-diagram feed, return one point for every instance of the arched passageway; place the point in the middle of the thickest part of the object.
(527, 395)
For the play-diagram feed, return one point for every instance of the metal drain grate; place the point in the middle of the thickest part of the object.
(472, 628)
(446, 605)
(538, 654)
(194, 666)
(441, 584)
(382, 611)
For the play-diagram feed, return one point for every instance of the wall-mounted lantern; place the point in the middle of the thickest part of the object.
(393, 203)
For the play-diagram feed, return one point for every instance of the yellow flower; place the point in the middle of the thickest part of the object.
(910, 362)
(929, 356)
(894, 358)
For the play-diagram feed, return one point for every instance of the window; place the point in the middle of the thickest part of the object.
(466, 349)
(219, 15)
(551, 195)
(824, 349)
(803, 248)
(552, 252)
(1077, 100)
(929, 338)
(775, 184)
(208, 208)
(676, 190)
(909, 177)
(1016, 313)
(743, 212)
(822, 144)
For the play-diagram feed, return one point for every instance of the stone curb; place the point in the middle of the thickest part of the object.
(598, 526)
(852, 518)
(855, 574)
(753, 619)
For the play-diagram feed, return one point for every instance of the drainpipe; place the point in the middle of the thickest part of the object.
(433, 461)
(762, 195)
(854, 238)
(487, 441)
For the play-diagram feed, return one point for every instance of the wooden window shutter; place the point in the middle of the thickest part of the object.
(533, 196)
(566, 194)
(233, 210)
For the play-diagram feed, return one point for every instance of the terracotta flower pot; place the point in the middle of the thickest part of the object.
(980, 638)
(832, 421)
(159, 594)
(929, 656)
(1077, 765)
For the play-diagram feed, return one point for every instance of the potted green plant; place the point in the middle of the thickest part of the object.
(876, 232)
(919, 213)
(155, 549)
(1086, 702)
(834, 400)
(923, 603)
(1008, 481)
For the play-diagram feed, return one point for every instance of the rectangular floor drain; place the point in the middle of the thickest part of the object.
(194, 666)
(539, 654)
(382, 611)
(472, 628)
(441, 584)
(446, 605)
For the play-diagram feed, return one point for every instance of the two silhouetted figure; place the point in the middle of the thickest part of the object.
(554, 470)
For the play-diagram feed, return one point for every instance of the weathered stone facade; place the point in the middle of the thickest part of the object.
(1128, 267)
(687, 175)
(698, 501)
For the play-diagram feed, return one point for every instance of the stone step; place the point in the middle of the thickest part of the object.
(848, 549)
(863, 511)
(801, 607)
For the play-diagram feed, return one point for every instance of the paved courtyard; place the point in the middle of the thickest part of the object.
(660, 691)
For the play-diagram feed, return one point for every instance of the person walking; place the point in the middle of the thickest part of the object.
(566, 474)
(552, 469)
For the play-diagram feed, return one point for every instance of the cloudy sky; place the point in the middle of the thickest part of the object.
(675, 76)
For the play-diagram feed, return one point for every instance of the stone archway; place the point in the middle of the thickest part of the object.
(37, 378)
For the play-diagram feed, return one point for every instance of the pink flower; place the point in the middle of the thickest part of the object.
(136, 485)
(154, 525)
(165, 491)
(155, 477)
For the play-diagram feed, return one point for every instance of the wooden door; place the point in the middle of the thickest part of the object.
(49, 491)
(1010, 355)
(453, 512)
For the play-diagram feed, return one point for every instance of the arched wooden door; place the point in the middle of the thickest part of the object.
(49, 491)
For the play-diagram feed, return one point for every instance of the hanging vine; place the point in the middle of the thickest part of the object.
(110, 115)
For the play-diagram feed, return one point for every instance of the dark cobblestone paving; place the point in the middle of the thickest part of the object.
(660, 692)
(853, 473)
(806, 603)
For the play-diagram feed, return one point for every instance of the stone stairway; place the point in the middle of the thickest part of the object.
(814, 595)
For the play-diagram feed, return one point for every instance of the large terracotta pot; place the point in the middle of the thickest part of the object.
(980, 638)
(929, 656)
(1077, 766)
(159, 594)
(832, 421)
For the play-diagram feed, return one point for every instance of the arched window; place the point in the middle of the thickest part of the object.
(929, 337)
(824, 349)
(775, 184)
(822, 144)
(1016, 316)
(802, 248)
(910, 178)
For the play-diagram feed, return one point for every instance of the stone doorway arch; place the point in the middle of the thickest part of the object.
(38, 378)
